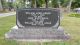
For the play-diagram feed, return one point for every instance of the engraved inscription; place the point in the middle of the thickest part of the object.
(38, 18)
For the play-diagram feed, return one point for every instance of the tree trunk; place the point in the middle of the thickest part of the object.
(46, 1)
(0, 6)
(69, 5)
(32, 3)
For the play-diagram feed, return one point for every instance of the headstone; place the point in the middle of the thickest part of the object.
(37, 24)
(77, 10)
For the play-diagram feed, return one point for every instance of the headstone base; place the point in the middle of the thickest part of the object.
(34, 33)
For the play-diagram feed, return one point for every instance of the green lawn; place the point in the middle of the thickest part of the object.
(70, 24)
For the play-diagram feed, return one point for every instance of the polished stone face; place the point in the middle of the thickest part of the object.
(42, 17)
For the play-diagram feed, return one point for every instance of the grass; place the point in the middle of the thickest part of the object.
(74, 15)
(70, 24)
(5, 24)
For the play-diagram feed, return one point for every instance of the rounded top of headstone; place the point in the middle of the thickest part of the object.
(77, 9)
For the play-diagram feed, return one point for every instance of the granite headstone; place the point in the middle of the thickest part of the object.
(37, 23)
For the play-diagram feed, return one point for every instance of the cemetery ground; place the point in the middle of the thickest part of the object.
(70, 24)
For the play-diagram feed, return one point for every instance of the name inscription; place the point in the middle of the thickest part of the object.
(38, 18)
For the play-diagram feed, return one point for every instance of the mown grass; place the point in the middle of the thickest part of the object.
(71, 25)
(5, 24)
